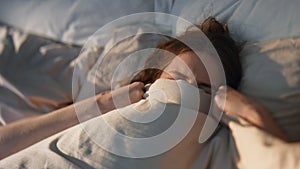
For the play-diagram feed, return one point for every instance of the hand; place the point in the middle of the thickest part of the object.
(244, 107)
(120, 97)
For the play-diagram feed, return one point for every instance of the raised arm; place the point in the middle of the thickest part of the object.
(242, 106)
(21, 134)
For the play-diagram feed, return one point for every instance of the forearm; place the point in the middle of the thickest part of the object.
(240, 105)
(266, 121)
(21, 134)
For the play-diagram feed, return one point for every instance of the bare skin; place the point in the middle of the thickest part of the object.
(23, 133)
(19, 135)
(196, 74)
(237, 104)
(245, 107)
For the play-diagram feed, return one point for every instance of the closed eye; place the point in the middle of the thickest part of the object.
(205, 86)
(177, 75)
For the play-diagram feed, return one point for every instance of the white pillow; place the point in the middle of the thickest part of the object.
(35, 74)
(272, 76)
(119, 59)
(265, 150)
(70, 21)
(271, 68)
(247, 20)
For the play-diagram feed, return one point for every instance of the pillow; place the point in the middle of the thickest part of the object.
(271, 68)
(272, 76)
(275, 153)
(247, 20)
(146, 134)
(119, 60)
(35, 74)
(71, 21)
(164, 21)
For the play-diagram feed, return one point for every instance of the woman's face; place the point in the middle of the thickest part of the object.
(187, 66)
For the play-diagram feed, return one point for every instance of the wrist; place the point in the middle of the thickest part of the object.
(105, 102)
(265, 120)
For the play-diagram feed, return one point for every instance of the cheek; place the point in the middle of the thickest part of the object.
(202, 75)
(165, 75)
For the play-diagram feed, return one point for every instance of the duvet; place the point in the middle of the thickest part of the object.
(97, 143)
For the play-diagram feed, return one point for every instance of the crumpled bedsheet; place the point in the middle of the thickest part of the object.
(80, 145)
(36, 73)
(252, 144)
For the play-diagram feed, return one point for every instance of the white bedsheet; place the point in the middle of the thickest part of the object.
(280, 93)
(35, 74)
(77, 146)
(249, 21)
(244, 147)
(72, 21)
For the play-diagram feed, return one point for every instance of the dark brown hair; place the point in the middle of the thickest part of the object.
(219, 36)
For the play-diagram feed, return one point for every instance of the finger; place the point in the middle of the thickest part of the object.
(239, 105)
(233, 103)
(137, 85)
(220, 97)
(136, 91)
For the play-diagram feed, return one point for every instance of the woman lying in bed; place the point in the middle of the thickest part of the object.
(237, 104)
(21, 134)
